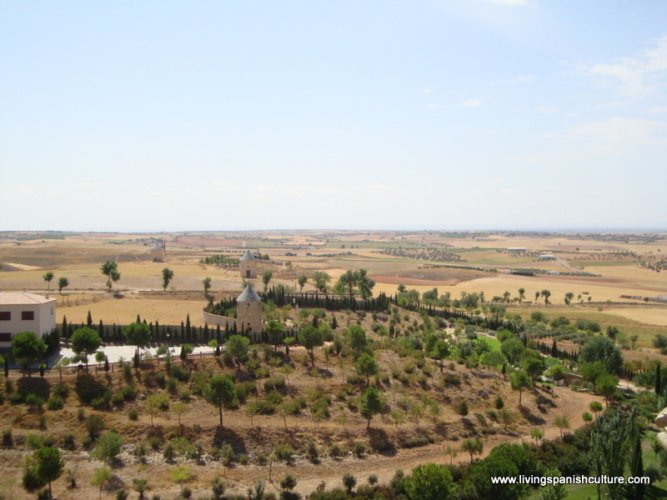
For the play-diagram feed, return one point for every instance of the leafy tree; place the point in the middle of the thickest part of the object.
(606, 385)
(346, 282)
(288, 482)
(156, 403)
(349, 481)
(167, 276)
(27, 348)
(179, 408)
(587, 417)
(596, 407)
(321, 279)
(266, 279)
(137, 333)
(311, 337)
(110, 270)
(568, 298)
(48, 277)
(522, 294)
(592, 371)
(473, 446)
(302, 280)
(536, 434)
(429, 482)
(366, 365)
(207, 285)
(108, 447)
(140, 486)
(512, 348)
(85, 341)
(237, 347)
(356, 339)
(439, 351)
(101, 477)
(221, 392)
(533, 362)
(370, 403)
(275, 331)
(520, 380)
(546, 294)
(562, 423)
(602, 349)
(364, 284)
(507, 418)
(63, 282)
(46, 466)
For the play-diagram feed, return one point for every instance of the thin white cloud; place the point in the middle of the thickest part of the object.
(471, 103)
(428, 91)
(640, 76)
(617, 134)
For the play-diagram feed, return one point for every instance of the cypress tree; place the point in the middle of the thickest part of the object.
(138, 319)
(637, 469)
(334, 323)
(658, 379)
(188, 328)
(64, 329)
(89, 319)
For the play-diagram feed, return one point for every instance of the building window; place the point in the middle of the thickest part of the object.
(5, 337)
(27, 315)
(5, 316)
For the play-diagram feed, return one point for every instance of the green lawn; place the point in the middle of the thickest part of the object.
(493, 343)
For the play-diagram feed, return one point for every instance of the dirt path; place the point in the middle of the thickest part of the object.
(571, 405)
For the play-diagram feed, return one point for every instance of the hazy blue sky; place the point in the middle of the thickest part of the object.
(163, 115)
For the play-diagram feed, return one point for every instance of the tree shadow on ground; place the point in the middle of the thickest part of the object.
(530, 416)
(225, 435)
(380, 442)
(32, 385)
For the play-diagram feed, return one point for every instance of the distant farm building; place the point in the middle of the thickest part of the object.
(517, 250)
(159, 251)
(249, 311)
(248, 266)
(547, 256)
(249, 318)
(25, 312)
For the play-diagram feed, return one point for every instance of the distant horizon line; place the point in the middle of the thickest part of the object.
(600, 230)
